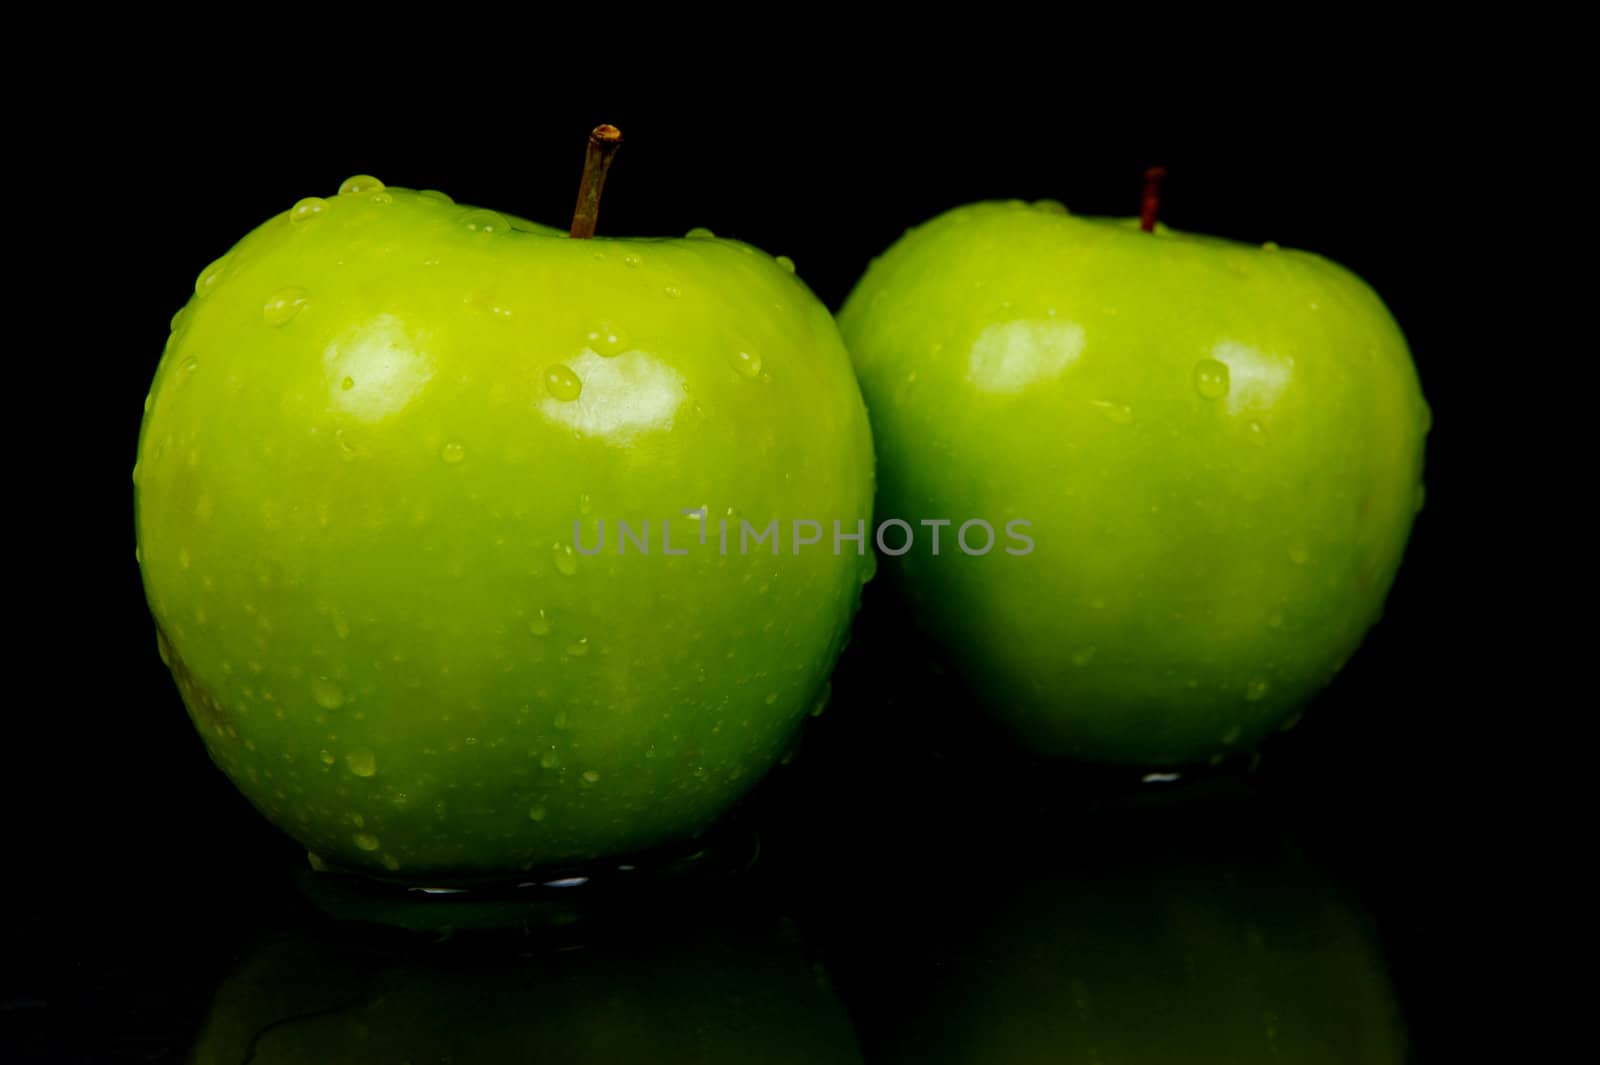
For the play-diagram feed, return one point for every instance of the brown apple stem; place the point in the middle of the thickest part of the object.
(1153, 178)
(603, 144)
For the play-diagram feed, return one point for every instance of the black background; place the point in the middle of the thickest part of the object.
(136, 870)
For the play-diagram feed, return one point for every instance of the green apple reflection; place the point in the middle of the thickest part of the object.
(1136, 953)
(723, 995)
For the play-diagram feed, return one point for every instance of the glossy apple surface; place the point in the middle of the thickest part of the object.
(366, 447)
(1218, 447)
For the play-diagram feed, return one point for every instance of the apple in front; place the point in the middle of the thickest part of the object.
(373, 438)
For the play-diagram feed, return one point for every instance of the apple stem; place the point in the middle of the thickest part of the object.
(1153, 178)
(603, 144)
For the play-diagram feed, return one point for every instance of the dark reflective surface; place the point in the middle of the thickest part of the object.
(1200, 934)
(956, 893)
(699, 988)
(1180, 925)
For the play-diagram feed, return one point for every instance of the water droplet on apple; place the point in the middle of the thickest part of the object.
(631, 261)
(307, 209)
(1270, 245)
(747, 364)
(435, 196)
(486, 222)
(1256, 690)
(607, 340)
(700, 233)
(360, 183)
(1230, 737)
(539, 625)
(591, 777)
(178, 317)
(327, 757)
(205, 284)
(1120, 413)
(366, 841)
(183, 558)
(562, 383)
(1427, 418)
(1083, 656)
(327, 693)
(282, 306)
(566, 560)
(578, 648)
(391, 863)
(453, 453)
(536, 813)
(1211, 378)
(361, 762)
(786, 262)
(1419, 499)
(1299, 555)
(549, 760)
(138, 555)
(562, 721)
(347, 384)
(1050, 206)
(673, 292)
(1258, 434)
(772, 697)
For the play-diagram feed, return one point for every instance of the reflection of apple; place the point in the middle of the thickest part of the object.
(368, 442)
(709, 998)
(1160, 941)
(1218, 448)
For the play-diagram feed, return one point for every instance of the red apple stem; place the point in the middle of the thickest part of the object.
(603, 144)
(1151, 207)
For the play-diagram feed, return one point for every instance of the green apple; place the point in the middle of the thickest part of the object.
(381, 445)
(1205, 458)
(713, 996)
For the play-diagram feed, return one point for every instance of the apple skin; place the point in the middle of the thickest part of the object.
(1219, 448)
(357, 481)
